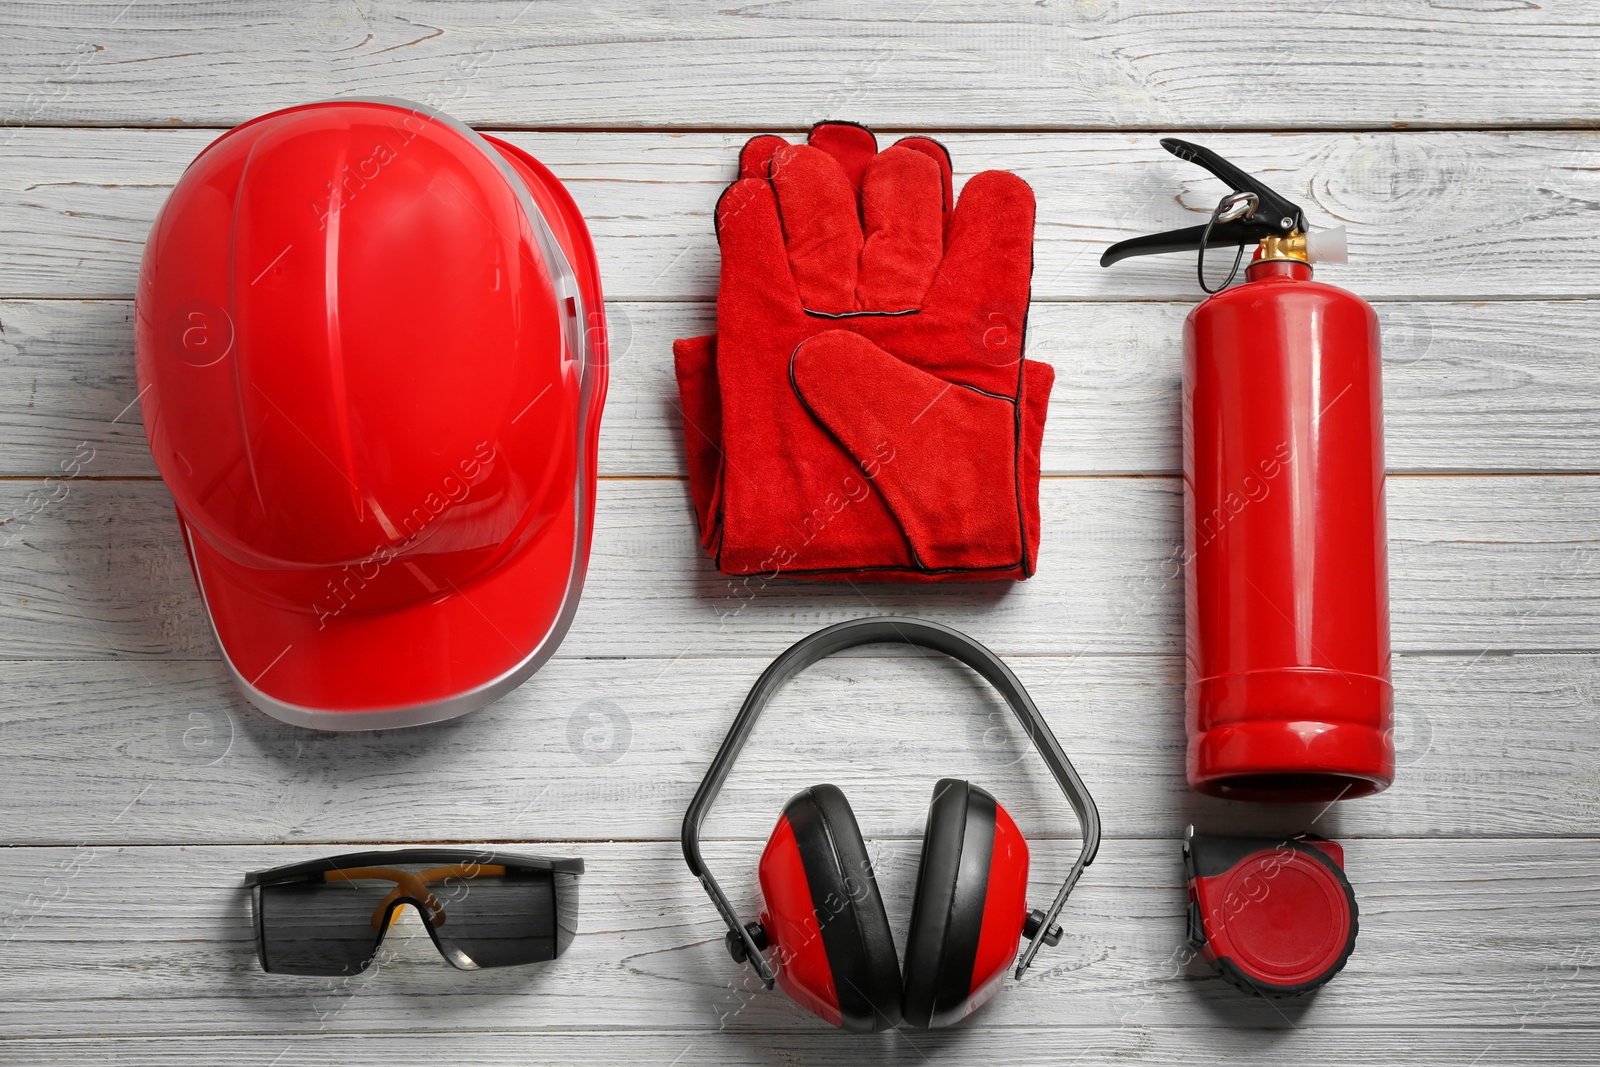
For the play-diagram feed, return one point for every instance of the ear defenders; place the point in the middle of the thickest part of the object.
(823, 920)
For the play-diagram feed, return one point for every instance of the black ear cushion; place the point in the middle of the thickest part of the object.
(947, 913)
(849, 909)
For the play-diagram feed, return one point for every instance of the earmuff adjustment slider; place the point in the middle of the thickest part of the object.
(1030, 928)
(736, 944)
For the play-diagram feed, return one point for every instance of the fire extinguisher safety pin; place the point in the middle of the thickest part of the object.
(1239, 204)
(1236, 205)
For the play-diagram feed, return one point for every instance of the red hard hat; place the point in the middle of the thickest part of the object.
(371, 357)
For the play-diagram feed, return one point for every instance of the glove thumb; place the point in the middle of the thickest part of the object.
(944, 457)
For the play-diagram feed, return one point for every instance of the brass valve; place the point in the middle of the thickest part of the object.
(1290, 246)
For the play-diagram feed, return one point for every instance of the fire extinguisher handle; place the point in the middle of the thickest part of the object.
(1273, 213)
(1238, 232)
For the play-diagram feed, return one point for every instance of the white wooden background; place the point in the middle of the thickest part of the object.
(1457, 140)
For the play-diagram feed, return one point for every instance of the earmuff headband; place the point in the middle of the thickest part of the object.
(930, 635)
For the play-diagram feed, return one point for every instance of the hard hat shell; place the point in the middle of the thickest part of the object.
(372, 360)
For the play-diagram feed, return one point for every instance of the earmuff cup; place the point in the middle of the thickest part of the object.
(948, 910)
(848, 909)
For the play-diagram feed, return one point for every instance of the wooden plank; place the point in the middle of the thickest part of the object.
(107, 753)
(95, 569)
(1088, 1047)
(67, 380)
(1503, 386)
(140, 786)
(906, 63)
(1489, 933)
(1203, 1042)
(1436, 215)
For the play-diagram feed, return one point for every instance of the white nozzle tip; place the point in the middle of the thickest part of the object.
(1327, 246)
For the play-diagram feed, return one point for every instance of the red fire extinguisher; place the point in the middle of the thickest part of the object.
(1288, 695)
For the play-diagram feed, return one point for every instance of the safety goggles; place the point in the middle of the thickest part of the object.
(482, 908)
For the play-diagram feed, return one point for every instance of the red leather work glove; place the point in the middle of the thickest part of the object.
(864, 411)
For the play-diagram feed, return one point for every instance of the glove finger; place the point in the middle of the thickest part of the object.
(695, 360)
(902, 205)
(755, 157)
(942, 456)
(989, 254)
(940, 155)
(821, 227)
(751, 238)
(852, 144)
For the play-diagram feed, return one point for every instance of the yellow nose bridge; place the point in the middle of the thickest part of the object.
(413, 886)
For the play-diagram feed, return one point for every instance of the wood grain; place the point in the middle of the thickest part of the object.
(1430, 215)
(1202, 1042)
(907, 63)
(110, 753)
(1457, 141)
(1507, 386)
(96, 570)
(159, 941)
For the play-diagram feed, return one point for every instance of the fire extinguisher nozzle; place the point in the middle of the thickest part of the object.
(1328, 246)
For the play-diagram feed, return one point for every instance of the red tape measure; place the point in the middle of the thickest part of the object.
(1275, 917)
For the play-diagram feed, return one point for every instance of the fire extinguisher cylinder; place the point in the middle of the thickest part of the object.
(1288, 695)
